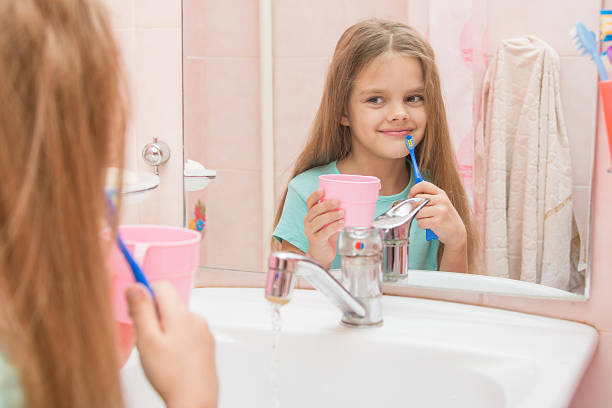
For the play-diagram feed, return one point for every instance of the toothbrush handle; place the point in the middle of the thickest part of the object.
(417, 174)
(139, 276)
(603, 74)
(429, 234)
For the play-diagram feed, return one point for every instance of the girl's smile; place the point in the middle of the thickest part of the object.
(396, 132)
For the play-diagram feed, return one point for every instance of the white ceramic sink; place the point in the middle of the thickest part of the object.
(482, 283)
(427, 354)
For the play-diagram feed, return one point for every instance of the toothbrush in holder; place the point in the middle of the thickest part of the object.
(585, 42)
(429, 234)
(138, 273)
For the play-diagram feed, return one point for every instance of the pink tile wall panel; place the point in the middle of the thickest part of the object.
(298, 86)
(233, 208)
(157, 13)
(122, 13)
(595, 391)
(157, 112)
(194, 114)
(228, 28)
(507, 19)
(221, 119)
(312, 28)
(125, 37)
(579, 94)
(225, 112)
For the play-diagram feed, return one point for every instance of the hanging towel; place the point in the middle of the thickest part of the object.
(522, 168)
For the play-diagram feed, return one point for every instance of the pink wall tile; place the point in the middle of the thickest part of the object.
(194, 114)
(158, 95)
(579, 94)
(312, 28)
(125, 37)
(594, 390)
(221, 28)
(233, 208)
(298, 87)
(157, 13)
(418, 15)
(508, 19)
(227, 113)
(122, 13)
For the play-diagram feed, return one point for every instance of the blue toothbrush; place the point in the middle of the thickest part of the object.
(429, 234)
(138, 273)
(585, 42)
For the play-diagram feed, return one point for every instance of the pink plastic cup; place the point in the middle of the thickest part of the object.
(164, 253)
(357, 196)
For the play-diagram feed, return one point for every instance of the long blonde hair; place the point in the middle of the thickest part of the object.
(61, 124)
(329, 140)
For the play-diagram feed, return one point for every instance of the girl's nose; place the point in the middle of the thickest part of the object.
(398, 114)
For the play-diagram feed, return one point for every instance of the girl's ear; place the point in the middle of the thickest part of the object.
(344, 121)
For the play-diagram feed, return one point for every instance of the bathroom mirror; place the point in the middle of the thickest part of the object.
(232, 90)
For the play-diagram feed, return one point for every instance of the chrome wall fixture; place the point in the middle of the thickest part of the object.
(156, 153)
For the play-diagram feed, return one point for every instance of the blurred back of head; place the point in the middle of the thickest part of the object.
(61, 124)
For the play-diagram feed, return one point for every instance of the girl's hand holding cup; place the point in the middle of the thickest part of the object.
(322, 224)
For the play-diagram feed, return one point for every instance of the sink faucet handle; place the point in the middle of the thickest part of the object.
(395, 228)
(400, 213)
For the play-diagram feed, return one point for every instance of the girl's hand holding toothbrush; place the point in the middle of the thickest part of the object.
(322, 224)
(440, 216)
(176, 349)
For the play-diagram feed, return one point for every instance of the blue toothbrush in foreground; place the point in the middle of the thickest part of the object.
(429, 234)
(138, 273)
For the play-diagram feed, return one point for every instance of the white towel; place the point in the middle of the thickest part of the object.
(522, 168)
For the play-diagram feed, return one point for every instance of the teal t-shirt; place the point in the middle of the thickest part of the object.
(290, 228)
(10, 391)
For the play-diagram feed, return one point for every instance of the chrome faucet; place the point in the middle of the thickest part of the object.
(368, 255)
(395, 229)
(358, 298)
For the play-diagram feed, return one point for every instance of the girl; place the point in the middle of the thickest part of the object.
(61, 125)
(382, 84)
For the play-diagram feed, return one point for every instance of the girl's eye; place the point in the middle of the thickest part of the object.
(375, 100)
(415, 99)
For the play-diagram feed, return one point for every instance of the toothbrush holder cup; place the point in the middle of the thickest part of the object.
(605, 91)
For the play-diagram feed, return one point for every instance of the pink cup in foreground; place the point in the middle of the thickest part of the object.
(357, 196)
(164, 253)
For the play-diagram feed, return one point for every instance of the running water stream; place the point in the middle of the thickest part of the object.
(277, 324)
